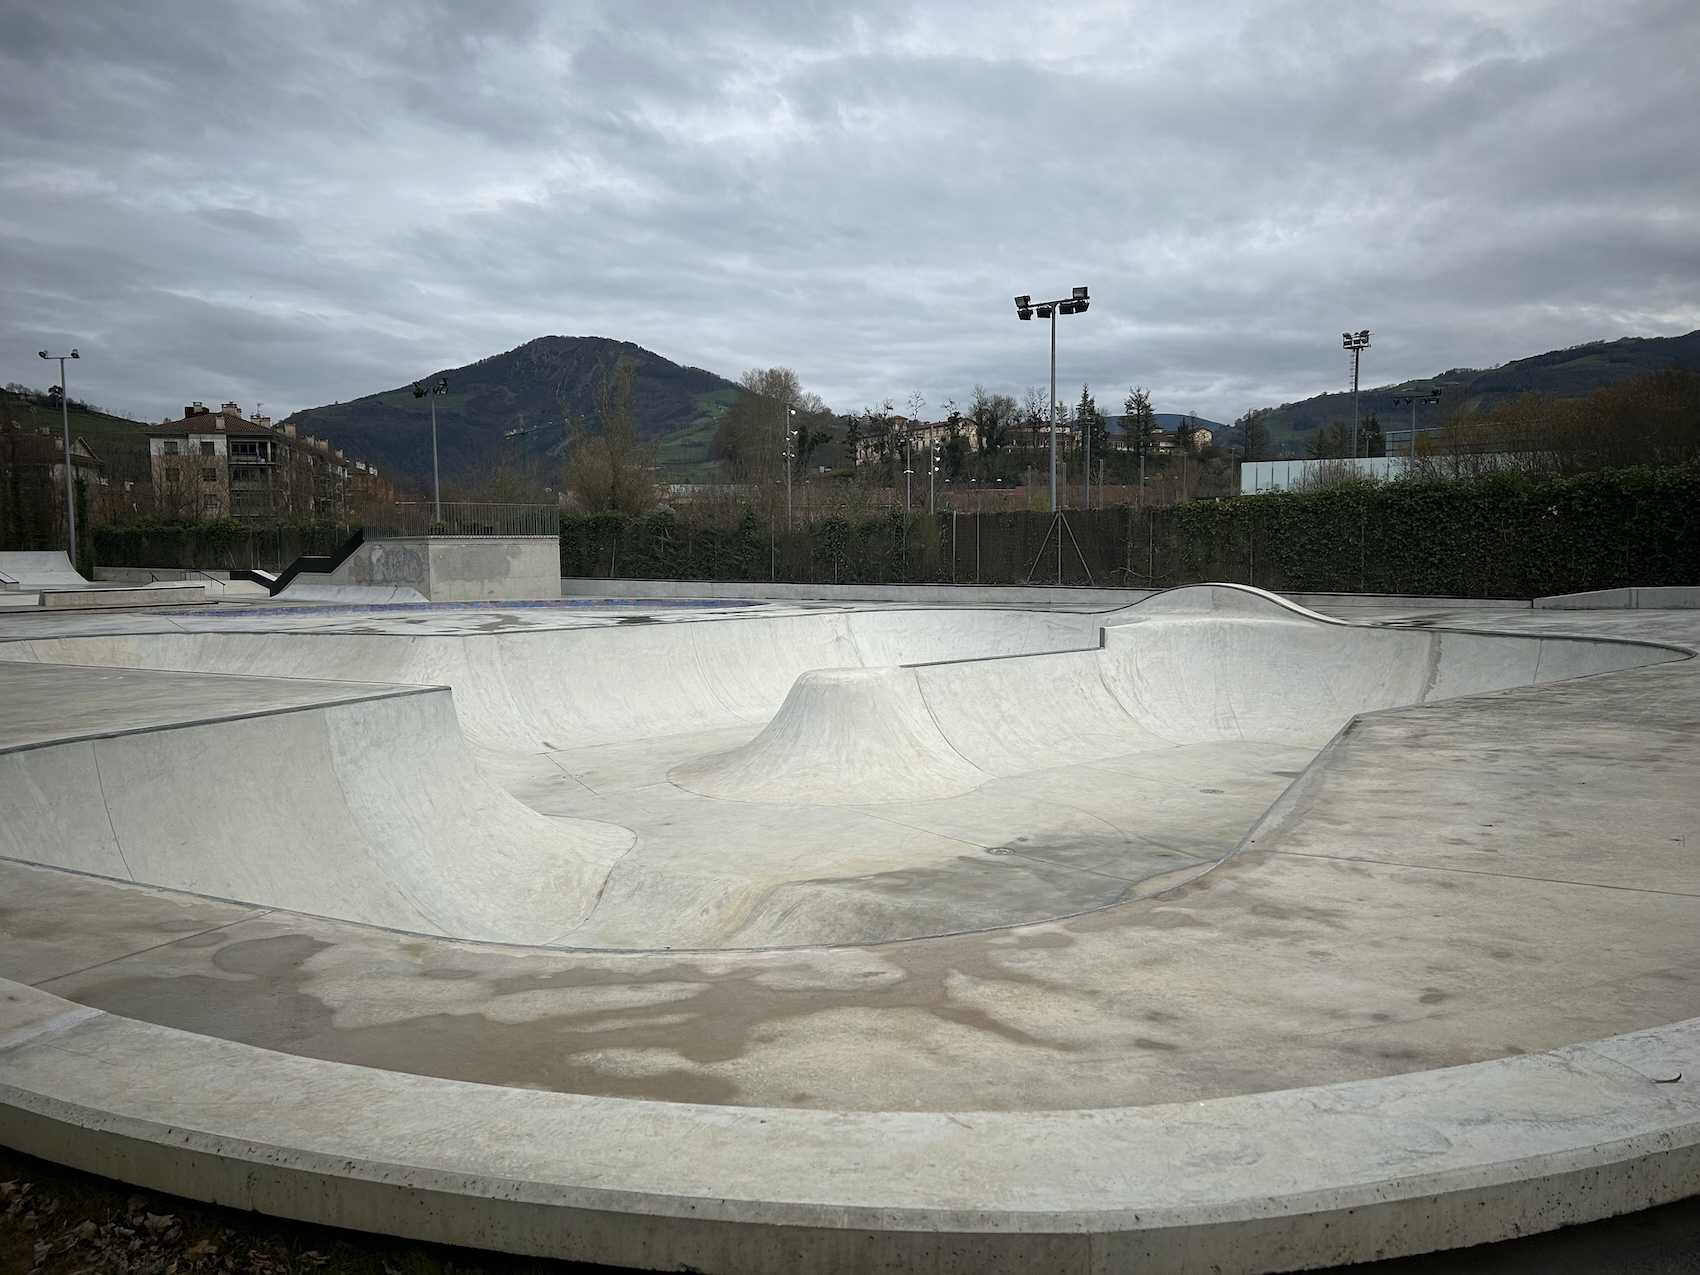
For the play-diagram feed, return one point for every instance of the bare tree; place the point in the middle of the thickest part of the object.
(749, 439)
(610, 471)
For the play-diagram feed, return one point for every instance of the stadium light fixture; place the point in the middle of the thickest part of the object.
(1025, 309)
(65, 420)
(1416, 400)
(441, 386)
(1357, 343)
(1075, 303)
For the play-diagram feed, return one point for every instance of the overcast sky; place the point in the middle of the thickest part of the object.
(296, 203)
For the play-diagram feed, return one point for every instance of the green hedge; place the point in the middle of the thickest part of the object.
(218, 544)
(1500, 536)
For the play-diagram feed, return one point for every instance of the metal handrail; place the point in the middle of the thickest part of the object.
(463, 518)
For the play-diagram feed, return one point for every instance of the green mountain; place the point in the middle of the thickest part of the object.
(1568, 373)
(524, 387)
(116, 440)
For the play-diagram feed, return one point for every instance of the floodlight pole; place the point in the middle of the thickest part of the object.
(1077, 303)
(1357, 343)
(1054, 431)
(436, 472)
(419, 391)
(65, 421)
(1427, 400)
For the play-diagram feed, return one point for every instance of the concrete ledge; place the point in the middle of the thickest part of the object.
(1661, 598)
(1263, 1182)
(155, 575)
(96, 597)
(958, 594)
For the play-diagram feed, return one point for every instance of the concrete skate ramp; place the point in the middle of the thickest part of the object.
(33, 569)
(1195, 665)
(840, 735)
(539, 690)
(359, 803)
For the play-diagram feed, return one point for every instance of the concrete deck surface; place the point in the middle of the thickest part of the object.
(1471, 882)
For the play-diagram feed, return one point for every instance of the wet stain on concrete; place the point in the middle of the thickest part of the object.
(211, 938)
(270, 956)
(264, 995)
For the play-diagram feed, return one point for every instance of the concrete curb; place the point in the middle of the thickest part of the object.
(1661, 598)
(1261, 1182)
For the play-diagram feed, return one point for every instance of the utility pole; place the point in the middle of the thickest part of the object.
(521, 433)
(65, 420)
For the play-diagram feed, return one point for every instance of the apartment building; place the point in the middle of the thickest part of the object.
(220, 464)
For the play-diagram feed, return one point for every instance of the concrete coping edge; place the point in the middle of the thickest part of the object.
(1326, 1174)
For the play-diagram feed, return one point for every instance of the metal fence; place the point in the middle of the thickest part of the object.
(1489, 537)
(223, 545)
(462, 518)
(217, 546)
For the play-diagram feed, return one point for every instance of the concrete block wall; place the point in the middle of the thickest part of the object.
(459, 568)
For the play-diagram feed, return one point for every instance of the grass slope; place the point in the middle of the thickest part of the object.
(118, 442)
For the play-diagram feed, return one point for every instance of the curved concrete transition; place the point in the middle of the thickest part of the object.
(382, 816)
(1206, 933)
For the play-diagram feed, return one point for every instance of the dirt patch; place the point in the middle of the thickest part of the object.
(57, 1221)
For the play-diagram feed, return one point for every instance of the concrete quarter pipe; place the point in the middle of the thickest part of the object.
(837, 938)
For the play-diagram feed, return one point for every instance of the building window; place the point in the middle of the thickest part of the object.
(212, 502)
(209, 448)
(173, 475)
(209, 475)
(171, 447)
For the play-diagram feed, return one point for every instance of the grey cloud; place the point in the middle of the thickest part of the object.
(303, 202)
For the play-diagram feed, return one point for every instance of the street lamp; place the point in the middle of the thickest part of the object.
(1025, 308)
(790, 455)
(420, 391)
(1426, 400)
(1357, 343)
(65, 420)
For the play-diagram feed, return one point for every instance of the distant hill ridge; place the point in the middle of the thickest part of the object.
(679, 404)
(1568, 373)
(524, 386)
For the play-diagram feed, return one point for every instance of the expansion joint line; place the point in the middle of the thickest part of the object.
(1482, 872)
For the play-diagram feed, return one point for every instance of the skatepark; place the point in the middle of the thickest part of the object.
(1205, 929)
